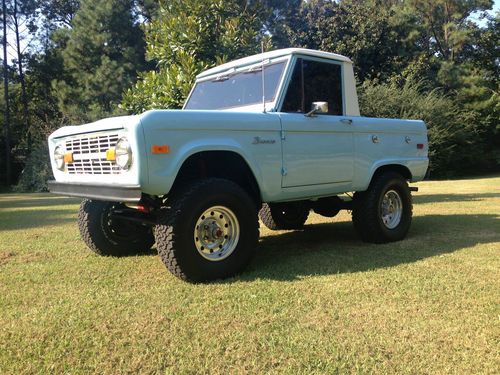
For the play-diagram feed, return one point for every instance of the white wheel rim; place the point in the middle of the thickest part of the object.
(391, 210)
(216, 233)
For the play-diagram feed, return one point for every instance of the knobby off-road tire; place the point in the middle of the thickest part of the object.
(383, 213)
(105, 235)
(283, 216)
(208, 230)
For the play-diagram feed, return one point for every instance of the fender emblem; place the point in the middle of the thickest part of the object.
(260, 141)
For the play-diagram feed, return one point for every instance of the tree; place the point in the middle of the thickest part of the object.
(446, 24)
(147, 8)
(485, 50)
(187, 37)
(279, 14)
(377, 38)
(8, 165)
(58, 12)
(16, 15)
(103, 51)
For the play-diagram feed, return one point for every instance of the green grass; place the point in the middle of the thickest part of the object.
(313, 301)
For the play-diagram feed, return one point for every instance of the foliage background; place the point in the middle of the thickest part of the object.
(414, 59)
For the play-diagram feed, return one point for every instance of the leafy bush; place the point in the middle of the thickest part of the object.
(37, 170)
(411, 99)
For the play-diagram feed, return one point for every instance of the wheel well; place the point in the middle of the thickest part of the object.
(401, 169)
(221, 164)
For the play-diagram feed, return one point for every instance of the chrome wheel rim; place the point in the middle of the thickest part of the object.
(391, 209)
(216, 233)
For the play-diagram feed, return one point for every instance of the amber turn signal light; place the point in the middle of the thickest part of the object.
(111, 154)
(68, 157)
(160, 149)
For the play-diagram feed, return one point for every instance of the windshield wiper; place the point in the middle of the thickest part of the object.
(255, 69)
(224, 76)
(221, 78)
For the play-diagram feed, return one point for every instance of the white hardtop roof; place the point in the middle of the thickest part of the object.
(271, 55)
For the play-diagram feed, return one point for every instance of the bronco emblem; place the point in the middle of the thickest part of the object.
(260, 141)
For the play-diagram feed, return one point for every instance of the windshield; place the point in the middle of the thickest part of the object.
(236, 89)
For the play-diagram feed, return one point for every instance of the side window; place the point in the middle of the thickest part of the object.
(314, 81)
(294, 98)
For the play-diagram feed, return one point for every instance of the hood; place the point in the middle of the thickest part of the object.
(120, 122)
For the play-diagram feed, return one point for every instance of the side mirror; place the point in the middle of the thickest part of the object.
(317, 107)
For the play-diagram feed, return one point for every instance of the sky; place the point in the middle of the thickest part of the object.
(496, 8)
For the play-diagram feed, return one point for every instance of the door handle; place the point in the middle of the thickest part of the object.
(346, 121)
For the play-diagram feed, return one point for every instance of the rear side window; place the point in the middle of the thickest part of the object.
(314, 81)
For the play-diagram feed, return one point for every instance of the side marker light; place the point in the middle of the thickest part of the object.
(160, 149)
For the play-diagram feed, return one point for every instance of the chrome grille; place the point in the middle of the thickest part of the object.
(89, 154)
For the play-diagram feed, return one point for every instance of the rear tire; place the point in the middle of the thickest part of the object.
(105, 235)
(208, 230)
(383, 213)
(284, 216)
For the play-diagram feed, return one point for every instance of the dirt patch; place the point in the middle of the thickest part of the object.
(6, 257)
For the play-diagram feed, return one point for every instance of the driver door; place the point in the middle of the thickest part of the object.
(317, 149)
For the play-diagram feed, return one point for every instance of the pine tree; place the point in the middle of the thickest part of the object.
(104, 49)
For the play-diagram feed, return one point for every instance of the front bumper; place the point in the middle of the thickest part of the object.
(112, 193)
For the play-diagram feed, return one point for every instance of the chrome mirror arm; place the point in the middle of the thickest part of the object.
(317, 107)
(312, 113)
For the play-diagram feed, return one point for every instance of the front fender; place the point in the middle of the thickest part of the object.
(189, 132)
(163, 169)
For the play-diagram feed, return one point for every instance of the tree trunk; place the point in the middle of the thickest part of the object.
(6, 93)
(24, 98)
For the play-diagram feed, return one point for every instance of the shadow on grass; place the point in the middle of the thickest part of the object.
(25, 211)
(321, 249)
(13, 201)
(27, 219)
(140, 253)
(440, 198)
(325, 249)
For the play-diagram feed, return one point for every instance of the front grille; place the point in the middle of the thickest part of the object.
(89, 154)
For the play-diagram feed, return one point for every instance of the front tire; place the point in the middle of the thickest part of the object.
(105, 235)
(383, 213)
(208, 230)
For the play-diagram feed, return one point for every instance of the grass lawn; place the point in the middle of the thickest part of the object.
(313, 301)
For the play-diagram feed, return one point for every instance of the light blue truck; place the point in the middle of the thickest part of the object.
(274, 135)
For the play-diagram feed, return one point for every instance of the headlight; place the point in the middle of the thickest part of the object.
(123, 153)
(59, 157)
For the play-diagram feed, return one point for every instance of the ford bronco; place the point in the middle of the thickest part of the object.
(274, 135)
